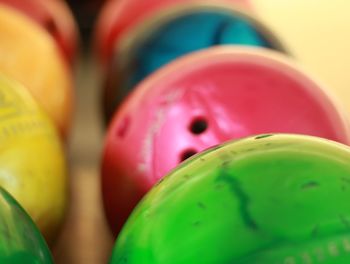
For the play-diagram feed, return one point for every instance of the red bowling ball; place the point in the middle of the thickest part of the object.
(202, 100)
(56, 17)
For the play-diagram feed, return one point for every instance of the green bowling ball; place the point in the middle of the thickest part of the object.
(269, 199)
(20, 240)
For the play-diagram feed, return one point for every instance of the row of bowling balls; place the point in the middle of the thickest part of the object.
(38, 49)
(185, 76)
(168, 29)
(195, 102)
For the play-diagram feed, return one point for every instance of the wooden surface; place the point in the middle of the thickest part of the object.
(85, 237)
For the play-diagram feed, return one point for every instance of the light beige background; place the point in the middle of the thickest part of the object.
(85, 238)
(317, 33)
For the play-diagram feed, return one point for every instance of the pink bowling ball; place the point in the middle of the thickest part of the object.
(202, 100)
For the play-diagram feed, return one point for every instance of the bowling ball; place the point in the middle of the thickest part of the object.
(318, 34)
(32, 162)
(55, 17)
(28, 54)
(155, 43)
(264, 199)
(20, 240)
(202, 100)
(119, 19)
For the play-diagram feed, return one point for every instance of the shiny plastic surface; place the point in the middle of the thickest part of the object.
(147, 37)
(202, 100)
(163, 45)
(20, 240)
(264, 199)
(28, 54)
(119, 17)
(32, 162)
(55, 17)
(174, 36)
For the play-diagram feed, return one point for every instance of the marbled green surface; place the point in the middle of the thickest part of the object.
(20, 240)
(267, 199)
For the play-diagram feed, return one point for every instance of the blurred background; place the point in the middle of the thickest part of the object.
(85, 237)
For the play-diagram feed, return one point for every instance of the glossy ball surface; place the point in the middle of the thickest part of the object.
(56, 18)
(202, 100)
(29, 55)
(20, 240)
(32, 160)
(264, 199)
(118, 18)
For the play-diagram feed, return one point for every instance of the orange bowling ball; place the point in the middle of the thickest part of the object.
(55, 17)
(30, 55)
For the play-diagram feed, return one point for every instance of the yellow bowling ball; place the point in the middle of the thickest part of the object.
(32, 163)
(317, 33)
(30, 55)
